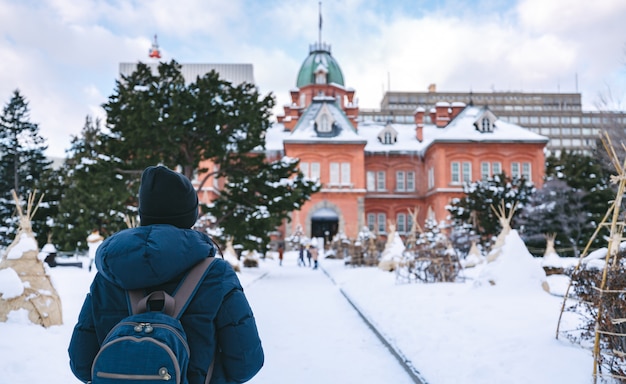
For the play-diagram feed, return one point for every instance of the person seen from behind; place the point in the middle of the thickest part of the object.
(94, 239)
(314, 255)
(219, 322)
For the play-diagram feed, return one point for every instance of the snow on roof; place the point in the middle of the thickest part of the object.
(304, 131)
(460, 129)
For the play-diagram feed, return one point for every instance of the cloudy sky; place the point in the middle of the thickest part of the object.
(64, 55)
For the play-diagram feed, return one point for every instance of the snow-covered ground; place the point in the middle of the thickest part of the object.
(471, 332)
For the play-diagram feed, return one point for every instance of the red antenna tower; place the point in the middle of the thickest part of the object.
(154, 52)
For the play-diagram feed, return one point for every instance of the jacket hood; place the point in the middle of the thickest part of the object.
(152, 255)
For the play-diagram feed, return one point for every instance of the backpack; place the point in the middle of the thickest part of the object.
(150, 346)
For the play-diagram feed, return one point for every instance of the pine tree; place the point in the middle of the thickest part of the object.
(475, 207)
(95, 195)
(556, 208)
(588, 175)
(23, 164)
(157, 118)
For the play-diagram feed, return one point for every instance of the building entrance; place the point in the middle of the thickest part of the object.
(325, 224)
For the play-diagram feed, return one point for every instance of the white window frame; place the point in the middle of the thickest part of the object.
(345, 174)
(526, 171)
(515, 169)
(467, 172)
(410, 181)
(371, 180)
(401, 223)
(380, 181)
(455, 168)
(334, 173)
(371, 221)
(382, 222)
(485, 170)
(400, 186)
(496, 168)
(315, 171)
(304, 168)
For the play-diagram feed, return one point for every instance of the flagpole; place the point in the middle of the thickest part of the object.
(320, 25)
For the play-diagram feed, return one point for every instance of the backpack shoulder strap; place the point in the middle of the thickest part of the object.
(189, 286)
(184, 292)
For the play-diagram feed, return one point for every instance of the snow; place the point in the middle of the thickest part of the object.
(10, 284)
(450, 332)
(26, 243)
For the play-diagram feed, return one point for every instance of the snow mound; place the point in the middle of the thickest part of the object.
(515, 269)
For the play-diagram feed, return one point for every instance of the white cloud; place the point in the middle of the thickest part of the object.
(64, 55)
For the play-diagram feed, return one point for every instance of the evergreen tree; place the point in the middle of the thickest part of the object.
(23, 164)
(95, 194)
(560, 209)
(157, 118)
(588, 175)
(475, 207)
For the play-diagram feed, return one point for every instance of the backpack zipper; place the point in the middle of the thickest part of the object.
(163, 373)
(148, 327)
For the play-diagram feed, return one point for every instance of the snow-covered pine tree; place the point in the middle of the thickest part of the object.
(95, 194)
(474, 207)
(23, 163)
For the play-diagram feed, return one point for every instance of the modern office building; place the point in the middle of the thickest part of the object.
(559, 116)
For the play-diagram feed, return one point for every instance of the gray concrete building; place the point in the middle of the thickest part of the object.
(558, 116)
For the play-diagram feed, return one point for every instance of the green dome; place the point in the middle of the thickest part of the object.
(319, 55)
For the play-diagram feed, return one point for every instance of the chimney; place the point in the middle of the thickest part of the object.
(350, 94)
(457, 107)
(419, 124)
(442, 114)
(295, 94)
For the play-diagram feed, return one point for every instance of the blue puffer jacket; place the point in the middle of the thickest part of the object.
(218, 322)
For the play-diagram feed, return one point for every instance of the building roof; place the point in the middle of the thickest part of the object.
(306, 130)
(233, 73)
(319, 59)
(460, 129)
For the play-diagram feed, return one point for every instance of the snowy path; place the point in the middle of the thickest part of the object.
(311, 334)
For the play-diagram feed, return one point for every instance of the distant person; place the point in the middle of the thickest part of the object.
(308, 254)
(93, 242)
(314, 254)
(280, 254)
(219, 323)
(301, 257)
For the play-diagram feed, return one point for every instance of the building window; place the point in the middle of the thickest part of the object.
(496, 167)
(410, 181)
(515, 170)
(371, 221)
(345, 173)
(382, 222)
(371, 180)
(431, 178)
(304, 168)
(485, 170)
(526, 171)
(334, 173)
(388, 139)
(485, 125)
(315, 171)
(324, 125)
(380, 181)
(467, 172)
(401, 223)
(456, 172)
(400, 181)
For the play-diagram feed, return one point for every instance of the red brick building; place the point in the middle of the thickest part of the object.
(373, 173)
